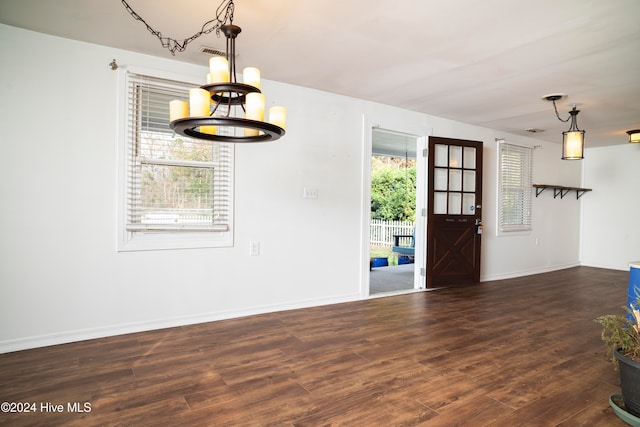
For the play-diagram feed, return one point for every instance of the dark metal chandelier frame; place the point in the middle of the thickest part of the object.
(230, 94)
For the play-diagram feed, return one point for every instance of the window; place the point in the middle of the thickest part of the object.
(515, 166)
(177, 191)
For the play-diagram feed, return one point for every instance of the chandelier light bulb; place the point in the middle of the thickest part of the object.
(251, 76)
(218, 70)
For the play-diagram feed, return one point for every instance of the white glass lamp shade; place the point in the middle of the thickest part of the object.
(573, 145)
(634, 135)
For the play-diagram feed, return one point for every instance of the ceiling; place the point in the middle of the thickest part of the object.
(486, 63)
(393, 144)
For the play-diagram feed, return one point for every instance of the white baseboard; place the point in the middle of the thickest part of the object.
(608, 267)
(522, 273)
(26, 343)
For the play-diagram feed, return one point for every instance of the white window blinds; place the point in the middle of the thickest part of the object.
(173, 183)
(515, 187)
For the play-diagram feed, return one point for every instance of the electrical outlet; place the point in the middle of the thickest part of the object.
(309, 193)
(254, 248)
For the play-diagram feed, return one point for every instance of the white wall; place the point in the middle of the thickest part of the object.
(554, 240)
(61, 278)
(611, 229)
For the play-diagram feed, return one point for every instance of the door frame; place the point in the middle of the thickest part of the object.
(422, 133)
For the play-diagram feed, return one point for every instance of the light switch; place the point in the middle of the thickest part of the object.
(254, 248)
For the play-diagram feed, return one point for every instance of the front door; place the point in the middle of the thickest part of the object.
(454, 221)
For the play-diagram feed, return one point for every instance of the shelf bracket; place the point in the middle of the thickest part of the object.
(560, 190)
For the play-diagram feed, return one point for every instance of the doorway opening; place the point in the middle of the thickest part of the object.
(396, 170)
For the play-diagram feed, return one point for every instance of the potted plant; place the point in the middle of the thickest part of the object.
(621, 334)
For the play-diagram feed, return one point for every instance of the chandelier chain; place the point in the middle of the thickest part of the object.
(224, 14)
(557, 115)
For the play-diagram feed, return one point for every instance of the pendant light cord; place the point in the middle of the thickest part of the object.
(554, 106)
(224, 14)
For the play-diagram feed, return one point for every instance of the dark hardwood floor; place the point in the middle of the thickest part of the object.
(517, 352)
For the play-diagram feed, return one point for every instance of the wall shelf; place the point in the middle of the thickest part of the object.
(560, 190)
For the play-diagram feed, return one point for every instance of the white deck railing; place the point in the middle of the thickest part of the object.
(381, 232)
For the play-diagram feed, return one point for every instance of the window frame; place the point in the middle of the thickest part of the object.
(524, 190)
(170, 238)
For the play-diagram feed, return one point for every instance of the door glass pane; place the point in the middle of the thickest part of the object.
(469, 181)
(441, 155)
(455, 156)
(440, 179)
(468, 204)
(455, 180)
(469, 157)
(455, 201)
(440, 203)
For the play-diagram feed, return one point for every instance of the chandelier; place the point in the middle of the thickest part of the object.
(222, 110)
(572, 139)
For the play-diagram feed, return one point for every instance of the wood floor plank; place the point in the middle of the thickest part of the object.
(479, 411)
(522, 351)
(449, 391)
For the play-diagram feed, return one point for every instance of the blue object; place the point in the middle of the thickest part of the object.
(405, 259)
(633, 292)
(380, 262)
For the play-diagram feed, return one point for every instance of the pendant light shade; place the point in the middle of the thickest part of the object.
(572, 145)
(634, 135)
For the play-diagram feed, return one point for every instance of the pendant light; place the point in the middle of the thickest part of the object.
(572, 139)
(634, 135)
